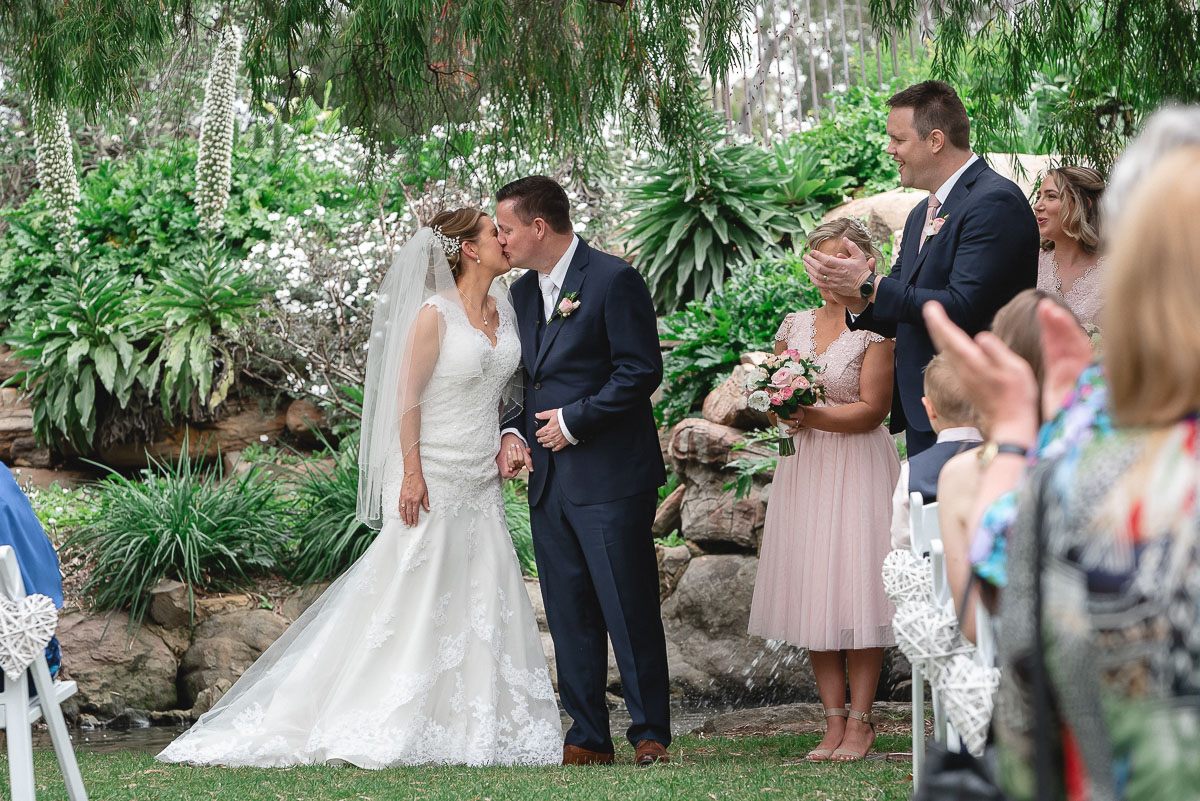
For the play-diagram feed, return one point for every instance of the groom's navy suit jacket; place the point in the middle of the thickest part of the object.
(985, 253)
(599, 365)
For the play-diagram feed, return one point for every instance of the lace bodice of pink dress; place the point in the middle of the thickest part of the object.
(1083, 297)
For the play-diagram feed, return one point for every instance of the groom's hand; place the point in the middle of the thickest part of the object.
(550, 435)
(513, 456)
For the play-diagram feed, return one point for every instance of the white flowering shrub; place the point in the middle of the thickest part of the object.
(56, 166)
(214, 164)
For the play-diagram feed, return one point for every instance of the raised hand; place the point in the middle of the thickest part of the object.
(841, 276)
(1066, 351)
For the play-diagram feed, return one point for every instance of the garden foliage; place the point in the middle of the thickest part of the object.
(709, 336)
(178, 521)
(692, 223)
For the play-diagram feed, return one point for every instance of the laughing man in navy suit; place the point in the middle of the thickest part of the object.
(589, 345)
(972, 246)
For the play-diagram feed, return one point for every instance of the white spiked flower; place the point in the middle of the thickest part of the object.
(56, 165)
(214, 164)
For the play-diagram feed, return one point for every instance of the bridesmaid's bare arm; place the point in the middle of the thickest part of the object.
(875, 392)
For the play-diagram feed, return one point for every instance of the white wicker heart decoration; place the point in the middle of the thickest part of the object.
(927, 635)
(907, 577)
(25, 628)
(968, 691)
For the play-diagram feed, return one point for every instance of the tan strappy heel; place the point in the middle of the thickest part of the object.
(845, 754)
(823, 754)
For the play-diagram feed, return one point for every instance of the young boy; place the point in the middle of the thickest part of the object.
(953, 421)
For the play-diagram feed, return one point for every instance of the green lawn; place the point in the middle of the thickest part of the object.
(708, 768)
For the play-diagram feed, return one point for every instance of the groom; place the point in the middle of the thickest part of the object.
(589, 345)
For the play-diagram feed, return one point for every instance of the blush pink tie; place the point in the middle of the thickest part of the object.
(930, 213)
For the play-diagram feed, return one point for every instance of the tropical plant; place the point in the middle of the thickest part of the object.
(691, 223)
(707, 338)
(81, 351)
(178, 522)
(200, 304)
(516, 514)
(213, 167)
(56, 165)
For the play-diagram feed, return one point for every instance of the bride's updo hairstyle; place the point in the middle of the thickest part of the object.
(460, 224)
(851, 229)
(1080, 189)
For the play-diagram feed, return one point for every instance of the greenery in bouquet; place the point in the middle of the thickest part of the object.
(781, 385)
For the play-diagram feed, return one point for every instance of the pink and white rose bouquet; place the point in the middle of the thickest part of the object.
(782, 384)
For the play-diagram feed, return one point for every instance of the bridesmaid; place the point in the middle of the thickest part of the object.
(827, 525)
(1068, 218)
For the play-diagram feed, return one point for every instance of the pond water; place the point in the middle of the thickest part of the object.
(152, 739)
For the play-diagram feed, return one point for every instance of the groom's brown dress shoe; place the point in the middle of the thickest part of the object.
(650, 752)
(574, 755)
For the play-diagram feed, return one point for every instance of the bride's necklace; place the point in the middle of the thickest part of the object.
(467, 305)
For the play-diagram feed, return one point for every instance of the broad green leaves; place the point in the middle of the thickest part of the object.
(102, 336)
(741, 202)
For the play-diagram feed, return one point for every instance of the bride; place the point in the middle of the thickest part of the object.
(426, 650)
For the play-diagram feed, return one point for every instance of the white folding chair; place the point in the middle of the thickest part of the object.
(919, 543)
(18, 712)
(927, 541)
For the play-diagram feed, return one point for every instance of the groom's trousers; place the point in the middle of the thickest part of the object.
(599, 578)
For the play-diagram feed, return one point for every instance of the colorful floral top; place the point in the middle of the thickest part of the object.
(1121, 628)
(1084, 414)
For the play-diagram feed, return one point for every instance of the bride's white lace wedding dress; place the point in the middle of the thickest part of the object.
(426, 650)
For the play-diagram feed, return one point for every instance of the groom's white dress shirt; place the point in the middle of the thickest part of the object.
(550, 284)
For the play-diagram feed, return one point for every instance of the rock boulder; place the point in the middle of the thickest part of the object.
(223, 647)
(114, 669)
(712, 658)
(726, 405)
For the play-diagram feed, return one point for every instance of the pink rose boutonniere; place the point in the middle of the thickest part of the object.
(934, 226)
(566, 307)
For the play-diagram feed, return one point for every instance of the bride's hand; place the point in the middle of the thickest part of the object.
(797, 421)
(414, 496)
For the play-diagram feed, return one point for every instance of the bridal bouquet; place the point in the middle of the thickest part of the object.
(782, 384)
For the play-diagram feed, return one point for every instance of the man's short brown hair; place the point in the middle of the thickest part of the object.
(936, 106)
(538, 196)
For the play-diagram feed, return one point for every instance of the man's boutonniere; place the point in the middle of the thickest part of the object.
(935, 225)
(566, 307)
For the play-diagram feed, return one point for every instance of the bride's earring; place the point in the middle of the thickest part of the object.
(478, 260)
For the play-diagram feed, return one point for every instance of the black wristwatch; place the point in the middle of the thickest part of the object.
(867, 287)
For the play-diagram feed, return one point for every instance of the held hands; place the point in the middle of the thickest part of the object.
(414, 496)
(550, 435)
(513, 456)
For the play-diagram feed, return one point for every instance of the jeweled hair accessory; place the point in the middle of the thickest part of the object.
(450, 244)
(861, 226)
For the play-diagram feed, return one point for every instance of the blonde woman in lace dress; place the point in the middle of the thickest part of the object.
(426, 650)
(1068, 218)
(827, 526)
